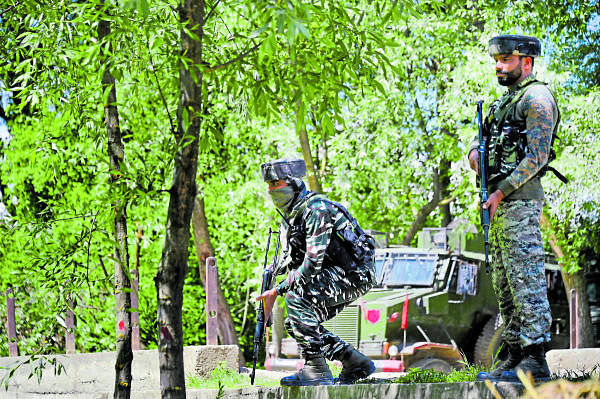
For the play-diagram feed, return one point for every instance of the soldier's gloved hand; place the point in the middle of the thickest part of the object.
(493, 202)
(268, 298)
(474, 160)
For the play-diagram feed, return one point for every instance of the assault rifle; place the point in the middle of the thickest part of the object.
(483, 193)
(262, 320)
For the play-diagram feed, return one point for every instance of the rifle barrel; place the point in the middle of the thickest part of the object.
(483, 194)
(253, 374)
(259, 332)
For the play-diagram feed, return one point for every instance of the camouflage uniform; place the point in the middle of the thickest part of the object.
(516, 242)
(316, 289)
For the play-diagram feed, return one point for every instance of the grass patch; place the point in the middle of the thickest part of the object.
(224, 378)
(424, 376)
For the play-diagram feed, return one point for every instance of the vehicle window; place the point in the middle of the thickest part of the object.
(411, 269)
(379, 267)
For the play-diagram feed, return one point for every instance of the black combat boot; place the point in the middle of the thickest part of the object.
(314, 372)
(515, 355)
(534, 361)
(356, 366)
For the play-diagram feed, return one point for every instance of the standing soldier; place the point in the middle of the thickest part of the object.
(330, 263)
(519, 131)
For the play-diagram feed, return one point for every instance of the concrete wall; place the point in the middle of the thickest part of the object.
(460, 390)
(565, 362)
(92, 375)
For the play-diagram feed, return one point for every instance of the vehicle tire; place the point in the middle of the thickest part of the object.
(432, 363)
(489, 341)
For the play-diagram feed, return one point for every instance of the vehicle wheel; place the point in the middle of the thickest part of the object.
(489, 342)
(432, 363)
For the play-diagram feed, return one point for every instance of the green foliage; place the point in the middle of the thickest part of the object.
(574, 209)
(424, 376)
(420, 376)
(224, 378)
(385, 90)
(570, 32)
(37, 363)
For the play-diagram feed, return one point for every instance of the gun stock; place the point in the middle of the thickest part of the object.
(483, 190)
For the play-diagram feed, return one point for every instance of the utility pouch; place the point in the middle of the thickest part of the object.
(349, 249)
(339, 254)
(297, 243)
(511, 146)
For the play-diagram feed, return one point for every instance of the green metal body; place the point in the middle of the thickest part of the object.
(436, 312)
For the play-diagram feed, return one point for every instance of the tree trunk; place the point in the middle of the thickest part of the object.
(173, 266)
(444, 191)
(116, 154)
(204, 249)
(575, 281)
(312, 172)
(425, 210)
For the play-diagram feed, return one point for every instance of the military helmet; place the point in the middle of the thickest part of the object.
(283, 168)
(515, 44)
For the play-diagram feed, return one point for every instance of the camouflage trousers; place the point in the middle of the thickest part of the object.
(518, 274)
(320, 300)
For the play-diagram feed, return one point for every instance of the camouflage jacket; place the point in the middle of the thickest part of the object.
(322, 219)
(538, 109)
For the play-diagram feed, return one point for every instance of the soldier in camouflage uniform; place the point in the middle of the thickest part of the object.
(519, 132)
(329, 262)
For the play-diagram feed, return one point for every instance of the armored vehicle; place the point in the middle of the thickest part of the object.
(450, 310)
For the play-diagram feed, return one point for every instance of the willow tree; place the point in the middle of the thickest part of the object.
(122, 282)
(281, 55)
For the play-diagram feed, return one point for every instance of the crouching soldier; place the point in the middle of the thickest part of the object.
(329, 262)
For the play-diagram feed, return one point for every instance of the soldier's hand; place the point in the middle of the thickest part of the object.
(268, 298)
(493, 202)
(474, 160)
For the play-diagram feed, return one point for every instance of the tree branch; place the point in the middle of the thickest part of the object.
(160, 91)
(3, 114)
(210, 13)
(87, 268)
(9, 9)
(107, 279)
(419, 115)
(424, 211)
(233, 61)
(448, 133)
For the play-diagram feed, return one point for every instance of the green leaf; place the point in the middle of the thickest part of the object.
(302, 29)
(143, 8)
(379, 87)
(326, 124)
(291, 31)
(186, 119)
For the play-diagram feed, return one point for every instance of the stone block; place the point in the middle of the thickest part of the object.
(570, 361)
(94, 373)
(206, 358)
